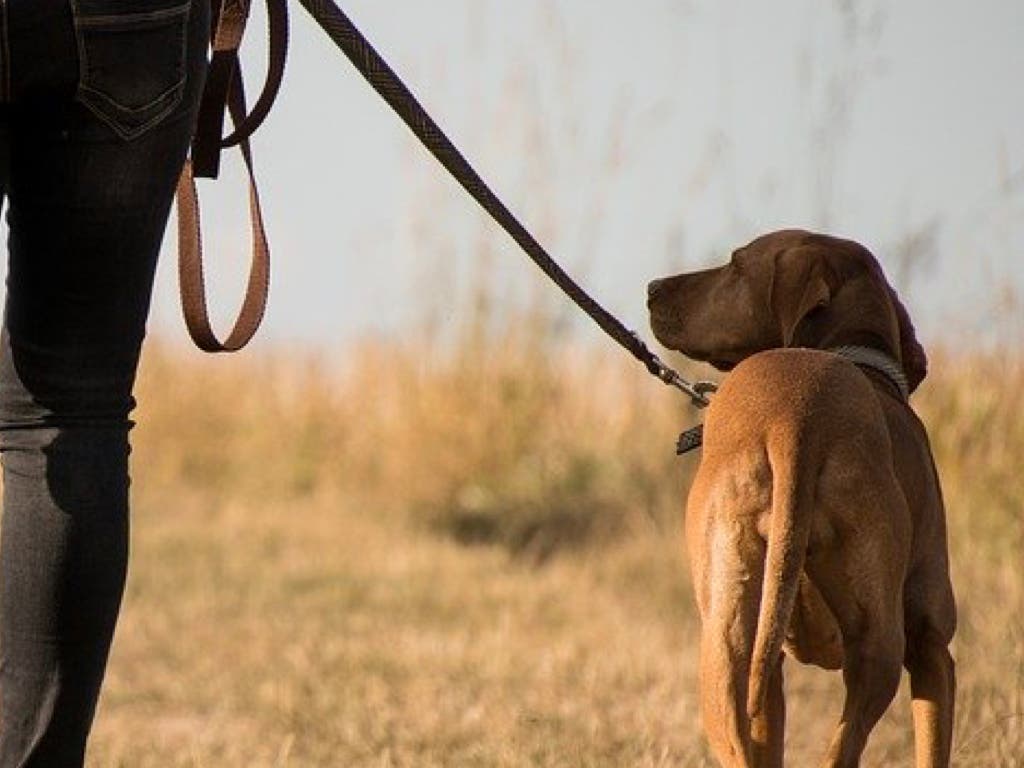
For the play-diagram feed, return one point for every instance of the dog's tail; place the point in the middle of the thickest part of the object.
(789, 530)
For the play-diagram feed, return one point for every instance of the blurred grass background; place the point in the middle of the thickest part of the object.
(468, 553)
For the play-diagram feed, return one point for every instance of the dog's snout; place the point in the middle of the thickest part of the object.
(654, 288)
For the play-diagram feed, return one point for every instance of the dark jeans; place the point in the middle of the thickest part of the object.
(99, 100)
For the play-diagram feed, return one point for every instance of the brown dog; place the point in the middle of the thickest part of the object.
(815, 523)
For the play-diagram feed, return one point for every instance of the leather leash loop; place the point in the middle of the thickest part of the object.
(191, 278)
(230, 25)
(224, 91)
(277, 32)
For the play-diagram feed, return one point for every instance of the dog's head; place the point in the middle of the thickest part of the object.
(789, 288)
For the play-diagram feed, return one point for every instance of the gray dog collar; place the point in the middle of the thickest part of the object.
(879, 361)
(863, 356)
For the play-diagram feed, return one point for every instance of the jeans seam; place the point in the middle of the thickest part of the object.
(5, 56)
(134, 18)
(83, 63)
(128, 134)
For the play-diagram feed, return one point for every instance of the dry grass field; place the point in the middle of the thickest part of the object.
(470, 555)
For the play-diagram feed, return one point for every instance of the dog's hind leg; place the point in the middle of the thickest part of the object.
(871, 671)
(930, 611)
(861, 578)
(932, 687)
(729, 576)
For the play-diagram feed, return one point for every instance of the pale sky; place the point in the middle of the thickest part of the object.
(634, 139)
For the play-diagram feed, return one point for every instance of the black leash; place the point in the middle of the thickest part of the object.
(384, 80)
(225, 87)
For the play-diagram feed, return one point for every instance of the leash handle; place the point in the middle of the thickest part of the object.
(224, 91)
(383, 79)
(191, 278)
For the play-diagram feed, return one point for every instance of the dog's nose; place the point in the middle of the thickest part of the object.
(654, 288)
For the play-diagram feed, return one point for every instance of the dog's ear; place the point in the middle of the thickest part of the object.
(800, 286)
(915, 361)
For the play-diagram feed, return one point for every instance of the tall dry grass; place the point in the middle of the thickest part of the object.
(508, 439)
(446, 554)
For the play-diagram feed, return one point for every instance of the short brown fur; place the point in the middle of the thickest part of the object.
(815, 524)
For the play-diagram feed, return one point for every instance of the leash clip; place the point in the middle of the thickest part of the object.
(698, 391)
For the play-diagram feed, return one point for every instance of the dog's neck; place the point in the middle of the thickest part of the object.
(878, 361)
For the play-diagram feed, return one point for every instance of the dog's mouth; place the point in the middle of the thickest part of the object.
(669, 338)
(669, 331)
(721, 360)
(665, 328)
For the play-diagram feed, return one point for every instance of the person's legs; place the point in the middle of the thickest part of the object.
(93, 160)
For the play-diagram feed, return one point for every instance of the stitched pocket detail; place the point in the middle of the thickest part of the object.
(132, 62)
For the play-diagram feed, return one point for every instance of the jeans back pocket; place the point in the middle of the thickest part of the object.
(131, 60)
